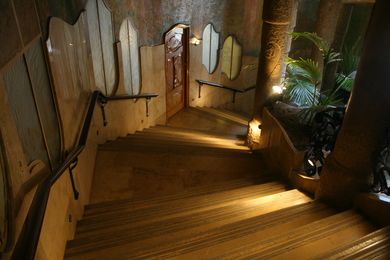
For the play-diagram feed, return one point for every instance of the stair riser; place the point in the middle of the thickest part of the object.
(208, 221)
(306, 234)
(168, 161)
(169, 131)
(186, 138)
(189, 207)
(140, 145)
(229, 237)
(182, 204)
(102, 207)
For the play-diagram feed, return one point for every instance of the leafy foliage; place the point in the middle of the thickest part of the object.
(328, 54)
(345, 82)
(304, 76)
(322, 45)
(326, 101)
(347, 69)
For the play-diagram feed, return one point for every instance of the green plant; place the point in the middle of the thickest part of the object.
(328, 54)
(303, 78)
(347, 69)
(301, 81)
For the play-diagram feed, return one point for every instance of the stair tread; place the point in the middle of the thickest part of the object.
(201, 221)
(188, 137)
(178, 206)
(241, 115)
(367, 247)
(229, 235)
(201, 120)
(145, 138)
(182, 130)
(195, 191)
(303, 236)
(175, 147)
(154, 141)
(229, 116)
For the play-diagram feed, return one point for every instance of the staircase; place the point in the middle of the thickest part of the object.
(220, 202)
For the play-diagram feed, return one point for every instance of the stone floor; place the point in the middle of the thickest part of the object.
(195, 148)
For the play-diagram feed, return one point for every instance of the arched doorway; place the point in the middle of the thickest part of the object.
(176, 68)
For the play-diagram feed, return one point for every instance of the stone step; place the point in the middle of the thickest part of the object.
(231, 116)
(97, 208)
(175, 147)
(231, 235)
(193, 138)
(201, 120)
(150, 211)
(303, 242)
(375, 245)
(147, 138)
(242, 115)
(155, 140)
(187, 131)
(184, 225)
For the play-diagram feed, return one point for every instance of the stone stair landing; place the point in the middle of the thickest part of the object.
(163, 160)
(172, 192)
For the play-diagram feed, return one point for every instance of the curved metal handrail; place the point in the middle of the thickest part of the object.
(217, 85)
(27, 242)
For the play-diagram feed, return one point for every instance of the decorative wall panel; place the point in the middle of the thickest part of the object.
(210, 48)
(68, 48)
(107, 40)
(96, 45)
(44, 99)
(130, 57)
(231, 58)
(21, 99)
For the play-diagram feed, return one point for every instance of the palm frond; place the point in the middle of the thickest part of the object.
(307, 114)
(332, 56)
(350, 61)
(321, 44)
(306, 69)
(345, 82)
(328, 54)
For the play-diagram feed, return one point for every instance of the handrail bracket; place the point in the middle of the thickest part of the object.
(102, 102)
(71, 168)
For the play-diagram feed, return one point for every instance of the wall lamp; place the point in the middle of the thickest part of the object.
(195, 41)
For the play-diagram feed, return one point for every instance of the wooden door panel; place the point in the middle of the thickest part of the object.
(175, 70)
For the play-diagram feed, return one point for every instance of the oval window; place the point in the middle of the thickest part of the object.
(130, 57)
(210, 48)
(231, 58)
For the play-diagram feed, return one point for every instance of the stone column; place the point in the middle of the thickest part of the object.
(277, 15)
(327, 17)
(348, 169)
(329, 77)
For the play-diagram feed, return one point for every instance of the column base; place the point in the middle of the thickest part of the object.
(339, 185)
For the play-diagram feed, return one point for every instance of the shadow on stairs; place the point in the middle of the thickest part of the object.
(200, 193)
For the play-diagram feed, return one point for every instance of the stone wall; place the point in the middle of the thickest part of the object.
(39, 109)
(40, 117)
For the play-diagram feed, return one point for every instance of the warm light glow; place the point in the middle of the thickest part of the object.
(254, 131)
(277, 89)
(195, 41)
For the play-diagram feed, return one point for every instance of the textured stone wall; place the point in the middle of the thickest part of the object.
(153, 18)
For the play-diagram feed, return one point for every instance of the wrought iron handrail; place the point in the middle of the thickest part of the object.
(217, 85)
(27, 242)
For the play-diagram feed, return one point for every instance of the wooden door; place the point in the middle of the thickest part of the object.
(176, 44)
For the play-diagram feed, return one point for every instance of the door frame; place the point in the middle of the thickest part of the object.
(186, 45)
